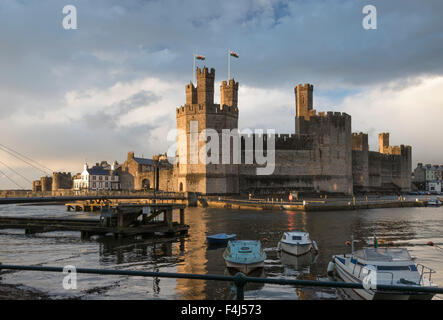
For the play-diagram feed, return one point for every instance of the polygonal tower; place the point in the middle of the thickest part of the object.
(303, 99)
(197, 170)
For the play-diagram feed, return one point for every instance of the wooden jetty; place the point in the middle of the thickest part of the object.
(308, 205)
(122, 220)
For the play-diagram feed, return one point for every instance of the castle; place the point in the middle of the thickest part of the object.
(322, 155)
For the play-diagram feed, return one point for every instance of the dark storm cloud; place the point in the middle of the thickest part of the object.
(280, 43)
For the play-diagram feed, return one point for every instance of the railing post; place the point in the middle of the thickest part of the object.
(240, 281)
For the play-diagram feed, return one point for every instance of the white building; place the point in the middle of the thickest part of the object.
(97, 178)
(434, 186)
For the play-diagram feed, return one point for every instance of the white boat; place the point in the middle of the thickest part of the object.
(296, 243)
(433, 202)
(375, 266)
(244, 255)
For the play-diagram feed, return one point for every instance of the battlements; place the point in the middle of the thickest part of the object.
(303, 99)
(385, 148)
(61, 180)
(326, 116)
(204, 72)
(205, 109)
(282, 141)
(359, 141)
(191, 94)
(229, 93)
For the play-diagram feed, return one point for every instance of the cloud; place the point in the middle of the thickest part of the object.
(410, 110)
(67, 95)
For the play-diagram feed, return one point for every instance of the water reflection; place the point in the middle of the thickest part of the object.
(407, 227)
(297, 263)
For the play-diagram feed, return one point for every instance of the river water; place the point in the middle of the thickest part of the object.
(411, 228)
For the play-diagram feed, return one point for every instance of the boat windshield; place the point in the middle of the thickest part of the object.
(383, 254)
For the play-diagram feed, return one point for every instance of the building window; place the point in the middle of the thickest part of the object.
(106, 178)
(100, 178)
(94, 185)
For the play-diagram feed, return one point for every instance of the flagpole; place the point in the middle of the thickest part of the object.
(229, 64)
(193, 72)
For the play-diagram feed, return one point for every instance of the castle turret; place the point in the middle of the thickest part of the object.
(303, 100)
(383, 142)
(229, 93)
(191, 94)
(205, 86)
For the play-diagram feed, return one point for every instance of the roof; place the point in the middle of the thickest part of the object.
(383, 254)
(144, 161)
(297, 233)
(99, 171)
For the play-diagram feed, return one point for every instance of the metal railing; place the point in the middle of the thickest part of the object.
(239, 280)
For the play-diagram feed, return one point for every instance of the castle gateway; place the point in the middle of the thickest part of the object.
(322, 155)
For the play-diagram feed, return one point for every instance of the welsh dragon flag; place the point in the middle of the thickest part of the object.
(233, 54)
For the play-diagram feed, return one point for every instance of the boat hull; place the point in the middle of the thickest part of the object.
(295, 249)
(245, 268)
(363, 294)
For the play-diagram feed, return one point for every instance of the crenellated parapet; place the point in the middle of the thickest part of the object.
(195, 109)
(229, 93)
(360, 141)
(61, 180)
(322, 122)
(281, 141)
(205, 85)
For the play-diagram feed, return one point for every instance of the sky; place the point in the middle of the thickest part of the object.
(112, 85)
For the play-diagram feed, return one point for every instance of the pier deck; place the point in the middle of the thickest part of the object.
(126, 223)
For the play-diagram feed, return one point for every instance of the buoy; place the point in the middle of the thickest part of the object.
(430, 243)
(265, 239)
(331, 267)
(347, 242)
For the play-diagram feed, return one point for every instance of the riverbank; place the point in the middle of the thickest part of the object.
(17, 292)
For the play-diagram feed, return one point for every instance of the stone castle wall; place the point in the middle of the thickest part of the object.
(386, 170)
(61, 180)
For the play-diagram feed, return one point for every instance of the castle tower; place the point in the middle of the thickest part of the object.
(229, 93)
(303, 100)
(191, 94)
(383, 142)
(205, 86)
(197, 171)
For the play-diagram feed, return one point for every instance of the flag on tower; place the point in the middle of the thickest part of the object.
(199, 57)
(232, 53)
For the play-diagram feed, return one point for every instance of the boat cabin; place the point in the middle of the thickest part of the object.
(296, 237)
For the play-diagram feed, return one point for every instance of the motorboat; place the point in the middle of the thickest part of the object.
(244, 255)
(386, 266)
(297, 243)
(219, 238)
(434, 202)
